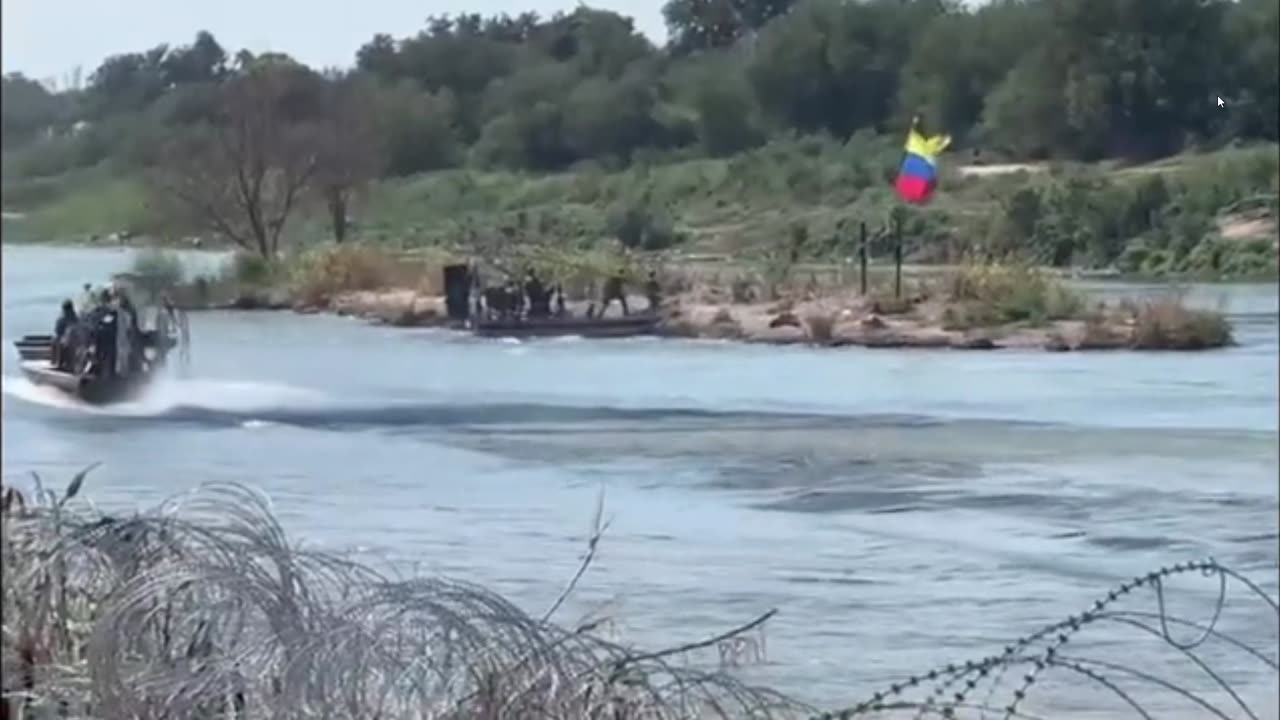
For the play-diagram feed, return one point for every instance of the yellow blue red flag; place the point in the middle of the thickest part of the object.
(918, 175)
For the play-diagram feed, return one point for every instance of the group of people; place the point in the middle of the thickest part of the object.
(103, 336)
(535, 299)
(532, 299)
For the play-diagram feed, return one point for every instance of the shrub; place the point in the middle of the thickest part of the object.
(155, 271)
(251, 269)
(997, 293)
(319, 276)
(1168, 324)
(821, 326)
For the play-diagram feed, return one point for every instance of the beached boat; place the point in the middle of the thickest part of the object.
(36, 363)
(598, 327)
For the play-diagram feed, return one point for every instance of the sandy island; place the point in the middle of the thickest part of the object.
(828, 322)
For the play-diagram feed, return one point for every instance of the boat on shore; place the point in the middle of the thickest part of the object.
(645, 323)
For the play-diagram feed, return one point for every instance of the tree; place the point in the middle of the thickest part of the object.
(241, 175)
(27, 108)
(350, 150)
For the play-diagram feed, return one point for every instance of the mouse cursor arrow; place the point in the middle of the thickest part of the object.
(1220, 102)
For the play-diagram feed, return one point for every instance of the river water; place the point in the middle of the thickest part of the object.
(902, 509)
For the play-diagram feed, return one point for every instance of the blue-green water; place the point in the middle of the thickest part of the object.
(902, 509)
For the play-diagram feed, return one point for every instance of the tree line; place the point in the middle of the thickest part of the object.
(1024, 79)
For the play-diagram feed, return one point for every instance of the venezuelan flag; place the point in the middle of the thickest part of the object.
(918, 175)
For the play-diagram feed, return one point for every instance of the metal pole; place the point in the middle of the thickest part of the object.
(862, 258)
(897, 257)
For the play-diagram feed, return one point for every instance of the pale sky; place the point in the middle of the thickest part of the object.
(47, 39)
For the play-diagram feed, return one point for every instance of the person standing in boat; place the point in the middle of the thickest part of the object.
(87, 300)
(615, 289)
(63, 329)
(106, 341)
(539, 299)
(653, 291)
(128, 347)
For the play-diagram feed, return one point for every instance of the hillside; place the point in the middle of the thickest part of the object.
(1209, 215)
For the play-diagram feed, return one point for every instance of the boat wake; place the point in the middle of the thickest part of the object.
(168, 396)
(223, 403)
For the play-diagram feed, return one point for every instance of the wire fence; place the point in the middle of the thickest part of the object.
(203, 609)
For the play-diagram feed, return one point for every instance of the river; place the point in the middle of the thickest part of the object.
(902, 509)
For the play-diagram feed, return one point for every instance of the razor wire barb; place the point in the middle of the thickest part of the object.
(207, 611)
(954, 685)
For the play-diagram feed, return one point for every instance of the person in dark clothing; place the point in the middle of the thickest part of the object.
(539, 298)
(105, 341)
(653, 290)
(615, 289)
(133, 332)
(560, 309)
(514, 298)
(62, 332)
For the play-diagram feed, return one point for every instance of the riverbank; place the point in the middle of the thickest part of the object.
(1205, 216)
(965, 307)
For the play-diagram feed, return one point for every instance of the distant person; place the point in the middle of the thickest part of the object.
(87, 299)
(513, 300)
(560, 309)
(653, 291)
(62, 335)
(106, 341)
(128, 333)
(539, 298)
(615, 289)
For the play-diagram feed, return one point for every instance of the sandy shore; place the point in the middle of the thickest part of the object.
(830, 322)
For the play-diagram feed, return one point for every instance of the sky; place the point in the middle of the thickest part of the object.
(49, 39)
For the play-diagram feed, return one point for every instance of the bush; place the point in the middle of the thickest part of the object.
(1168, 324)
(155, 271)
(640, 227)
(993, 294)
(252, 269)
(336, 269)
(821, 326)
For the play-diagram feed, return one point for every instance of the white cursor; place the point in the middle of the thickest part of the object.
(1220, 102)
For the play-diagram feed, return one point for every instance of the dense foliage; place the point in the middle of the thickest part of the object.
(1066, 80)
(1071, 78)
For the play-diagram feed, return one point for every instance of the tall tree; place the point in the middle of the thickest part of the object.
(350, 151)
(241, 175)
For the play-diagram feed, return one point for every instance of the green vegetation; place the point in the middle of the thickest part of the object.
(761, 129)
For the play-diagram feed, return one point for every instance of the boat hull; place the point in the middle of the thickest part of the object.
(93, 390)
(614, 327)
(36, 351)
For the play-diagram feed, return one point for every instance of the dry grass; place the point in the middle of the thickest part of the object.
(316, 277)
(1168, 324)
(990, 294)
(821, 326)
(204, 609)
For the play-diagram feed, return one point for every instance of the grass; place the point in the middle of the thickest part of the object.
(810, 191)
(994, 294)
(1168, 324)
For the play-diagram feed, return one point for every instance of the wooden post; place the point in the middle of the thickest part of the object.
(862, 258)
(897, 256)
